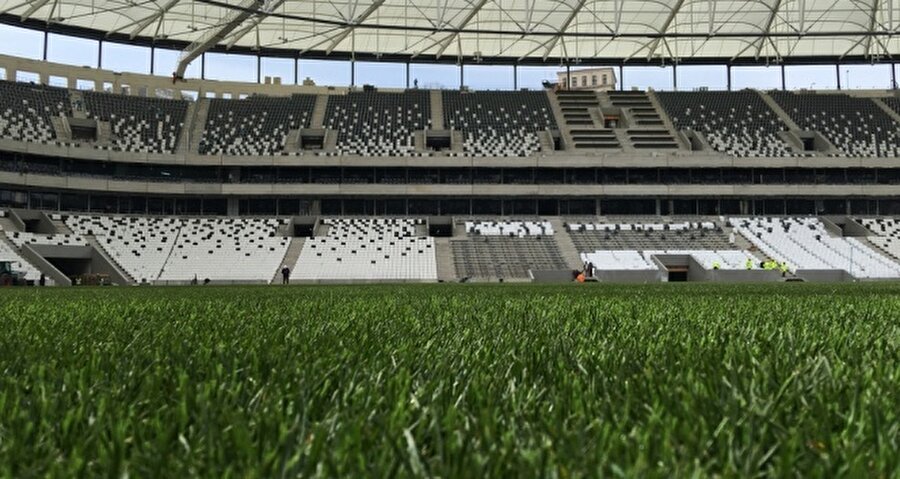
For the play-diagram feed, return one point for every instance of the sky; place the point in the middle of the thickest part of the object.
(126, 58)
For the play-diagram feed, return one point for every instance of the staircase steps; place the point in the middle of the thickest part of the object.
(649, 130)
(318, 115)
(446, 271)
(290, 258)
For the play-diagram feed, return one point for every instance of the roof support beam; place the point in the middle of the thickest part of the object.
(665, 27)
(252, 24)
(771, 21)
(872, 23)
(562, 29)
(349, 29)
(34, 7)
(142, 24)
(214, 35)
(446, 42)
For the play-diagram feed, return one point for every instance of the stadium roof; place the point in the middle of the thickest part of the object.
(526, 31)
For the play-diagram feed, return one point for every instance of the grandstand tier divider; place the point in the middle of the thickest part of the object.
(887, 109)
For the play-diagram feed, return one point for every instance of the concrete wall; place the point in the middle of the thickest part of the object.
(824, 276)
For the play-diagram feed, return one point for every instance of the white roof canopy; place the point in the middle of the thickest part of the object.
(517, 30)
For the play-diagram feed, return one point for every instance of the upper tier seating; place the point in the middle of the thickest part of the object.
(805, 244)
(139, 245)
(256, 125)
(886, 234)
(26, 109)
(368, 249)
(737, 123)
(857, 127)
(509, 228)
(589, 237)
(499, 123)
(20, 239)
(226, 249)
(371, 123)
(138, 124)
(893, 103)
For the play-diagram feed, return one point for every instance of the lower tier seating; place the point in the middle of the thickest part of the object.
(19, 263)
(139, 245)
(509, 228)
(648, 236)
(886, 234)
(804, 243)
(368, 249)
(226, 249)
(491, 257)
(20, 239)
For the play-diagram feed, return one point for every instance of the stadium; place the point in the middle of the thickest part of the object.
(316, 203)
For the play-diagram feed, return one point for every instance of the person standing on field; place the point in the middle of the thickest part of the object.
(285, 275)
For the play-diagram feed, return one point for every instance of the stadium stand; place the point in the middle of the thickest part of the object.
(509, 228)
(256, 125)
(20, 238)
(7, 253)
(857, 127)
(26, 109)
(648, 236)
(138, 124)
(506, 250)
(618, 260)
(804, 243)
(140, 246)
(226, 249)
(503, 123)
(368, 250)
(737, 123)
(371, 123)
(893, 103)
(886, 234)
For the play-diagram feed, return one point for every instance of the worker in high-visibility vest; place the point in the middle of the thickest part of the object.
(748, 264)
(716, 265)
(784, 269)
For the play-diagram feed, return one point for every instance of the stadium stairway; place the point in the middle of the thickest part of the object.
(92, 241)
(776, 108)
(184, 139)
(318, 115)
(566, 246)
(437, 110)
(444, 257)
(290, 257)
(564, 130)
(196, 125)
(890, 111)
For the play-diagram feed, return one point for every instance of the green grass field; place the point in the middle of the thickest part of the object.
(451, 381)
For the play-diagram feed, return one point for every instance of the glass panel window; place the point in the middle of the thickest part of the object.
(72, 50)
(230, 67)
(435, 76)
(282, 68)
(813, 77)
(874, 77)
(126, 58)
(711, 77)
(324, 72)
(760, 78)
(657, 78)
(488, 77)
(165, 62)
(21, 42)
(384, 75)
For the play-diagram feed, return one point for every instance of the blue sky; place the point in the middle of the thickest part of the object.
(118, 57)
